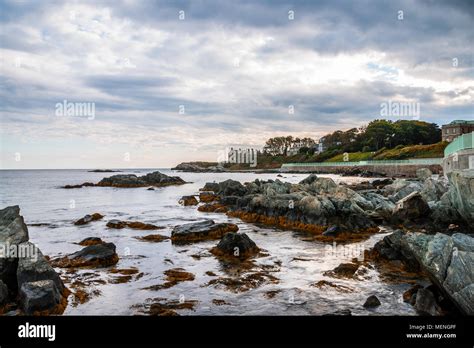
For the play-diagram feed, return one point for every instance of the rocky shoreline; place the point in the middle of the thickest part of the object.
(434, 217)
(432, 247)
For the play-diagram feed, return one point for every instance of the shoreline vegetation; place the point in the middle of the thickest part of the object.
(380, 140)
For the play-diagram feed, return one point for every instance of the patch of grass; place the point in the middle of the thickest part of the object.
(413, 151)
(352, 156)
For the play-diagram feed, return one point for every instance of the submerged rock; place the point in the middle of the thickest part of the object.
(137, 225)
(91, 241)
(235, 245)
(204, 230)
(99, 255)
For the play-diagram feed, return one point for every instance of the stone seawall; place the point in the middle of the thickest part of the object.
(408, 170)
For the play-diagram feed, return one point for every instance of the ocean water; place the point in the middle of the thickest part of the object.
(297, 262)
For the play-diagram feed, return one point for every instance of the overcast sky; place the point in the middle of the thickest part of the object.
(232, 68)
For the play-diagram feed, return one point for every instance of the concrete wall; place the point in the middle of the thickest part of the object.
(463, 159)
(387, 170)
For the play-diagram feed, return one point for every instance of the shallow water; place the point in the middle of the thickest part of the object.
(294, 260)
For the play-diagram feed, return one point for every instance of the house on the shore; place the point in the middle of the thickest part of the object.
(456, 128)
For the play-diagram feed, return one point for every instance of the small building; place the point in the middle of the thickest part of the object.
(456, 128)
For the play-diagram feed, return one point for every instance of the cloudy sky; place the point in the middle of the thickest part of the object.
(175, 80)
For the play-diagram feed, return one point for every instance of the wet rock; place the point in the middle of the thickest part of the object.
(156, 238)
(100, 255)
(425, 303)
(411, 208)
(204, 230)
(188, 200)
(372, 302)
(39, 296)
(243, 282)
(344, 270)
(86, 184)
(35, 267)
(332, 231)
(88, 218)
(235, 245)
(137, 225)
(151, 189)
(410, 295)
(423, 173)
(213, 208)
(116, 224)
(207, 196)
(91, 241)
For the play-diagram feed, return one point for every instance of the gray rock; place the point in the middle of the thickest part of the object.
(35, 267)
(98, 255)
(372, 301)
(411, 208)
(236, 245)
(13, 229)
(425, 303)
(204, 230)
(423, 173)
(42, 295)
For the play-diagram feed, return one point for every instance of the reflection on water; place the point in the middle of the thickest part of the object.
(296, 262)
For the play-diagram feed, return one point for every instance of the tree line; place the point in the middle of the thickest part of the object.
(376, 135)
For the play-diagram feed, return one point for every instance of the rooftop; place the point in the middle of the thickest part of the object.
(461, 122)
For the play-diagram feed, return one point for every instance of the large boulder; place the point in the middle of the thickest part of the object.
(235, 245)
(198, 231)
(461, 194)
(39, 296)
(449, 261)
(411, 208)
(13, 229)
(231, 188)
(98, 255)
(35, 267)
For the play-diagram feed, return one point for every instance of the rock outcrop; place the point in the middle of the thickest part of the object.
(88, 218)
(448, 261)
(27, 275)
(155, 179)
